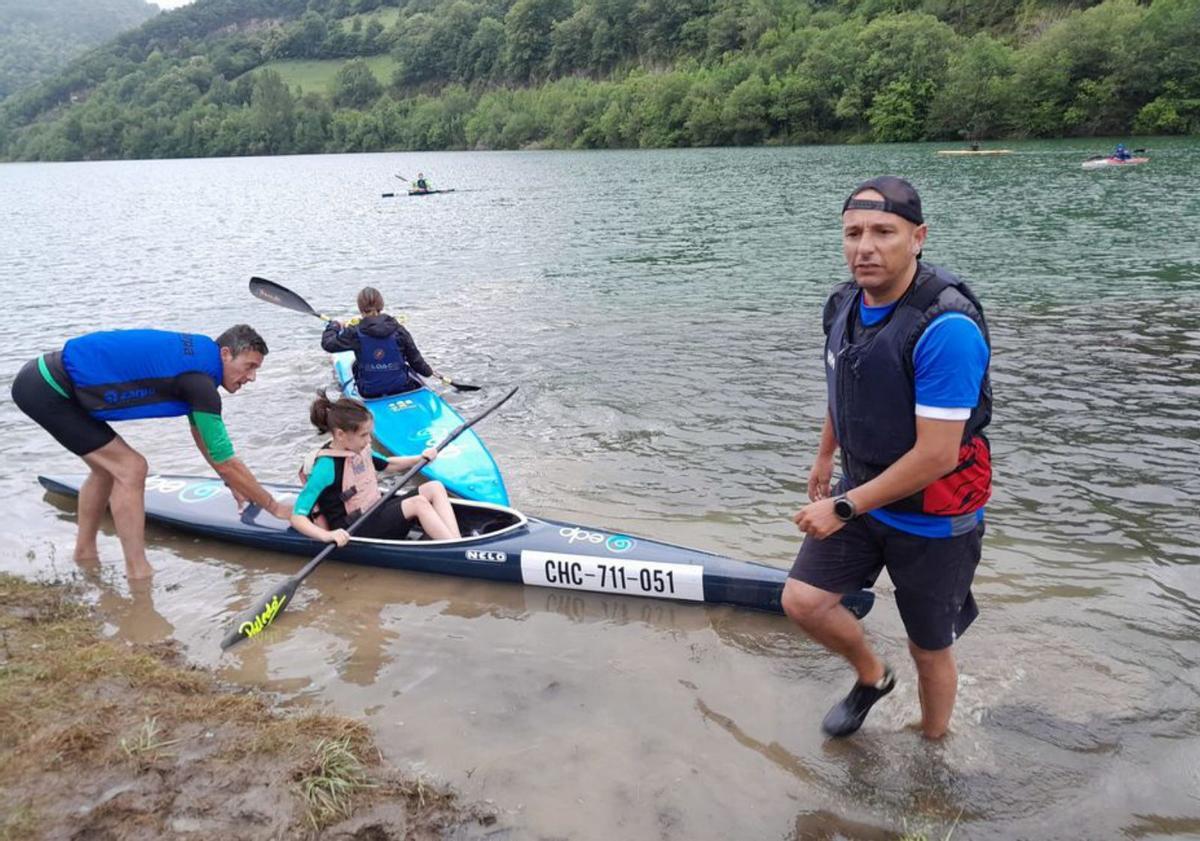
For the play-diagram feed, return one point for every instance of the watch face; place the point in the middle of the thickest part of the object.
(844, 509)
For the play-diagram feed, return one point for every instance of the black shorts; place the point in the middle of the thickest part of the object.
(62, 417)
(389, 522)
(932, 575)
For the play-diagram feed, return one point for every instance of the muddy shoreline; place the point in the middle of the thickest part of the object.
(106, 739)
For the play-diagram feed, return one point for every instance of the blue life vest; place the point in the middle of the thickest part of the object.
(380, 366)
(871, 386)
(129, 374)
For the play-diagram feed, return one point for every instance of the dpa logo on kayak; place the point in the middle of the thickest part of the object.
(614, 543)
(400, 405)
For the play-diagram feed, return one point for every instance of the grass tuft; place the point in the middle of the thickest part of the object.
(329, 780)
(146, 745)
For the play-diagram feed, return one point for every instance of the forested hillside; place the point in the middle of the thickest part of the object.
(38, 38)
(232, 77)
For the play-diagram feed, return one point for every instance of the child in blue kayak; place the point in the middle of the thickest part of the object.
(340, 483)
(386, 359)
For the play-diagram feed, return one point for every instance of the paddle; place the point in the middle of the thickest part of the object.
(273, 293)
(1103, 157)
(460, 386)
(253, 622)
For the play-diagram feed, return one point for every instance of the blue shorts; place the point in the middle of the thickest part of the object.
(932, 575)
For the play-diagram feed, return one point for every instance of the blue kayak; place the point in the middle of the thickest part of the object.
(499, 544)
(405, 424)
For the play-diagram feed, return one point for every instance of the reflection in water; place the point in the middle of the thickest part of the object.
(578, 713)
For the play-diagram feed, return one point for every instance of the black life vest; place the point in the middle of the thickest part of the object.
(870, 379)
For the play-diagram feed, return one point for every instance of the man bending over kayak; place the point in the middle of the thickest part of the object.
(131, 374)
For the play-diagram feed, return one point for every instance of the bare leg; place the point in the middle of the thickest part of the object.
(435, 492)
(93, 502)
(127, 498)
(937, 687)
(422, 509)
(821, 615)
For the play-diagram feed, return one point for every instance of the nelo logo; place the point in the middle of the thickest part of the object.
(483, 555)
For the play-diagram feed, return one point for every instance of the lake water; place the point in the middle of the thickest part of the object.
(661, 312)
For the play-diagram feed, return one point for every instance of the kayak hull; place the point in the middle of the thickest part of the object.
(1105, 163)
(428, 192)
(508, 546)
(405, 424)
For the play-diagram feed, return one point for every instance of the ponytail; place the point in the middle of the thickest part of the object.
(345, 414)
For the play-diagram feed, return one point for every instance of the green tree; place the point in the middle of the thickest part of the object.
(355, 86)
(527, 28)
(977, 98)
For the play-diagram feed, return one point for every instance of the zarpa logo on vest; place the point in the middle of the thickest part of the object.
(829, 358)
(122, 396)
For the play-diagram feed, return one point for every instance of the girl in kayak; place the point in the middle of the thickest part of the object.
(340, 483)
(386, 359)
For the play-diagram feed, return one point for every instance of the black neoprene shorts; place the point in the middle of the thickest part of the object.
(62, 417)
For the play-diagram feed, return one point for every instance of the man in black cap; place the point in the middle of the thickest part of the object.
(906, 359)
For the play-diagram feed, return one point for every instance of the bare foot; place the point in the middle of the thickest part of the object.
(138, 570)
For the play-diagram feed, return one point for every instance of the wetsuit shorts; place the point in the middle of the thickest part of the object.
(54, 411)
(388, 522)
(932, 575)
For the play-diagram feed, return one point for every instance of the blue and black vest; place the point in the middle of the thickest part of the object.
(129, 374)
(870, 379)
(380, 367)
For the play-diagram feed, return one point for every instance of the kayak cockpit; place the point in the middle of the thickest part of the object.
(478, 521)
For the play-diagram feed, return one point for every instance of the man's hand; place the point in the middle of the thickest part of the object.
(819, 478)
(817, 519)
(430, 453)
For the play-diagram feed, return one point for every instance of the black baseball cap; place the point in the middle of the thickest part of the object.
(899, 197)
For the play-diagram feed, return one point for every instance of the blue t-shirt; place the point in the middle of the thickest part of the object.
(949, 362)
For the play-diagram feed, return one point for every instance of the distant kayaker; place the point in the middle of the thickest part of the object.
(131, 374)
(385, 355)
(421, 185)
(340, 483)
(1121, 153)
(906, 366)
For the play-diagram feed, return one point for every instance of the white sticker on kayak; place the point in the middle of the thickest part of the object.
(613, 575)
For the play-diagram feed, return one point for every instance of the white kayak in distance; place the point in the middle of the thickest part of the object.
(1105, 163)
(966, 152)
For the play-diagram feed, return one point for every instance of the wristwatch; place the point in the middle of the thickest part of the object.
(844, 508)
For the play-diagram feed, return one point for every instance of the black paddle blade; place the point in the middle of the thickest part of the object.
(253, 622)
(464, 387)
(859, 603)
(272, 292)
(387, 195)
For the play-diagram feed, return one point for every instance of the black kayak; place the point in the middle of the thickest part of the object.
(500, 544)
(428, 192)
